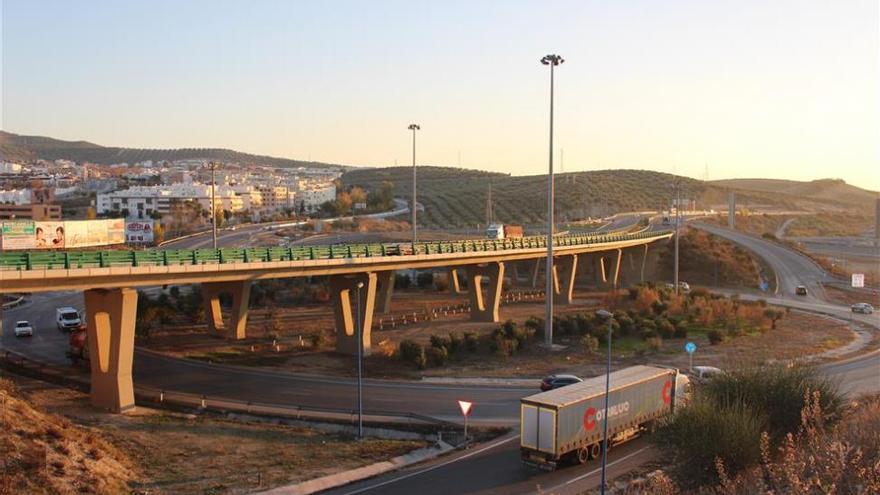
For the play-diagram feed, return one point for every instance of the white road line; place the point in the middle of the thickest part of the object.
(591, 473)
(432, 468)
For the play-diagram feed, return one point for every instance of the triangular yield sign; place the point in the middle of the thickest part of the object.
(465, 406)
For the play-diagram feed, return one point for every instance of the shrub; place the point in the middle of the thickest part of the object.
(774, 315)
(590, 344)
(440, 342)
(455, 343)
(654, 343)
(471, 341)
(502, 345)
(511, 331)
(715, 336)
(664, 328)
(659, 307)
(681, 330)
(402, 281)
(778, 393)
(649, 333)
(535, 324)
(438, 356)
(627, 325)
(441, 284)
(698, 434)
(413, 352)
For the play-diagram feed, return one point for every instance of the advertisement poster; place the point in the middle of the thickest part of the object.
(116, 231)
(17, 234)
(137, 232)
(76, 234)
(49, 235)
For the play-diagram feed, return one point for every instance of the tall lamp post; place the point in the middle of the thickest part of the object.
(676, 186)
(552, 61)
(213, 205)
(414, 128)
(360, 357)
(610, 318)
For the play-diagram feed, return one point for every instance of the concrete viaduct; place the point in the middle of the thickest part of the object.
(109, 279)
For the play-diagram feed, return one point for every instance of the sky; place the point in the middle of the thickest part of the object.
(720, 89)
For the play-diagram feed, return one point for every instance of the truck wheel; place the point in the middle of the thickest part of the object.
(595, 450)
(583, 455)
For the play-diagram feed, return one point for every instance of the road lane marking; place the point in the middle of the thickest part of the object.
(591, 473)
(432, 468)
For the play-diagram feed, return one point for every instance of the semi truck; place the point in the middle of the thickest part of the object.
(77, 345)
(504, 231)
(566, 424)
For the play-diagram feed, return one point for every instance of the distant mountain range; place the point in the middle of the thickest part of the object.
(823, 189)
(15, 147)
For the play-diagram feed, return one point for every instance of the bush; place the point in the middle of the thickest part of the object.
(654, 343)
(715, 336)
(502, 345)
(413, 352)
(471, 341)
(664, 328)
(440, 342)
(441, 284)
(438, 356)
(778, 393)
(402, 281)
(511, 331)
(590, 344)
(455, 343)
(698, 434)
(627, 325)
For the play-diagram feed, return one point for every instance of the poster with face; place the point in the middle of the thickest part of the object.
(49, 235)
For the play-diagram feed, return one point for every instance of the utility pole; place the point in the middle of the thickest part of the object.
(360, 356)
(414, 128)
(677, 187)
(552, 61)
(213, 204)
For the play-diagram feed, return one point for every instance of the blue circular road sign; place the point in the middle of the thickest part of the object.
(690, 347)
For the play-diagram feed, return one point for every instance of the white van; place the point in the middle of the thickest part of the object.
(67, 318)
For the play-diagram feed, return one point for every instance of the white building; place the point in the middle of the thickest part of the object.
(277, 197)
(143, 201)
(16, 196)
(10, 168)
(313, 196)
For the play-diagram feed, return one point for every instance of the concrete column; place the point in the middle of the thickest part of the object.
(485, 308)
(241, 294)
(454, 285)
(111, 316)
(644, 264)
(535, 269)
(599, 271)
(565, 268)
(385, 290)
(344, 296)
(615, 267)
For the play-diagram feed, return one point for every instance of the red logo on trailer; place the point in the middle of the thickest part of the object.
(590, 418)
(667, 389)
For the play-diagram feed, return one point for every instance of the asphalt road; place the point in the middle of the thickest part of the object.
(492, 469)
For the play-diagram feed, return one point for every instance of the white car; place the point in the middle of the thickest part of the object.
(23, 328)
(702, 373)
(862, 308)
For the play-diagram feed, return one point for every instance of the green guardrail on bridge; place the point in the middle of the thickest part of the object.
(37, 260)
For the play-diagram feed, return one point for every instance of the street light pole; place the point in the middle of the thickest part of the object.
(610, 317)
(360, 357)
(414, 128)
(213, 205)
(552, 61)
(677, 187)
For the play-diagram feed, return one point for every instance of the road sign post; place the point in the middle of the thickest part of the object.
(690, 348)
(465, 411)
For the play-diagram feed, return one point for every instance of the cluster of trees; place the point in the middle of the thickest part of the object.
(347, 200)
(503, 341)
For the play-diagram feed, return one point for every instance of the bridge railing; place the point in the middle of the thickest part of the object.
(39, 260)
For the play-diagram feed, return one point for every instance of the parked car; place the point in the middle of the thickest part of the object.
(863, 308)
(701, 374)
(23, 328)
(800, 290)
(556, 381)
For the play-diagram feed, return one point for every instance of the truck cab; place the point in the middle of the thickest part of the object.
(495, 231)
(67, 318)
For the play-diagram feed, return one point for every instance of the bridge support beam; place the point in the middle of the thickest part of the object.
(111, 315)
(608, 269)
(485, 308)
(241, 294)
(344, 295)
(565, 269)
(454, 284)
(535, 269)
(385, 291)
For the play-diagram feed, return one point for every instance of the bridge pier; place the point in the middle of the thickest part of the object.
(454, 284)
(535, 269)
(608, 269)
(385, 291)
(564, 274)
(344, 296)
(485, 308)
(111, 315)
(241, 293)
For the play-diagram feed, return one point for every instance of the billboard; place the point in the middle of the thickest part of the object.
(116, 231)
(49, 235)
(17, 234)
(137, 232)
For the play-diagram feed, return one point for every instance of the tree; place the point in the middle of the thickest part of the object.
(774, 315)
(158, 233)
(91, 214)
(343, 203)
(358, 195)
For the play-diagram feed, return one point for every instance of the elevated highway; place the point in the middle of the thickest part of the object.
(361, 280)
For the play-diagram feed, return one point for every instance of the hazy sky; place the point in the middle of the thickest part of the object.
(785, 89)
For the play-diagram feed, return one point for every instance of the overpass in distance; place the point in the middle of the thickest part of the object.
(362, 271)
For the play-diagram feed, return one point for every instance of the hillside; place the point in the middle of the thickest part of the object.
(835, 190)
(457, 197)
(15, 147)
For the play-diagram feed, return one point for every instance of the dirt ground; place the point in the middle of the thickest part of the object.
(798, 334)
(840, 295)
(176, 453)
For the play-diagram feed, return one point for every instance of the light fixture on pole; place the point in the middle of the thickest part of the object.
(676, 186)
(606, 315)
(552, 61)
(213, 205)
(414, 128)
(360, 358)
